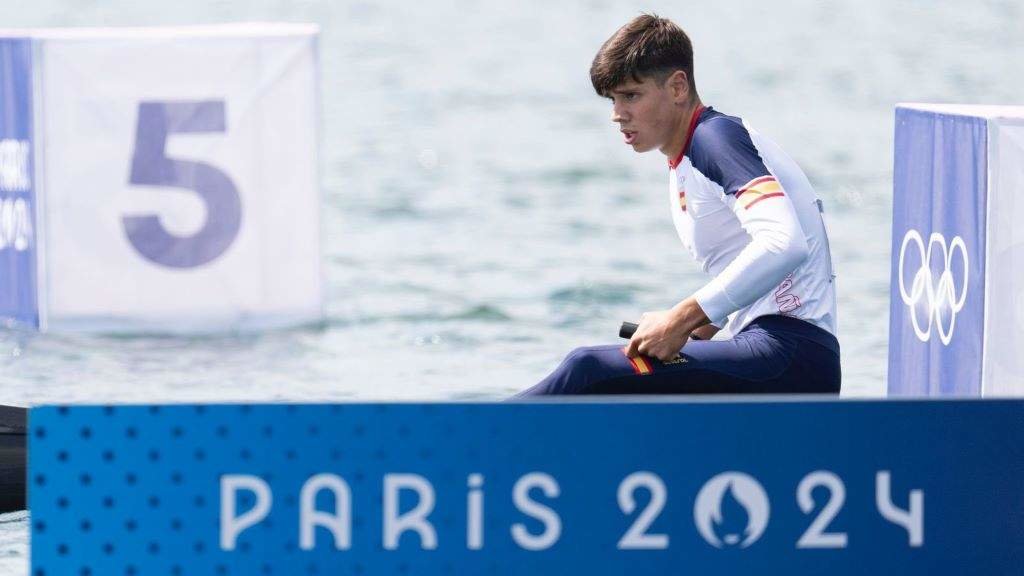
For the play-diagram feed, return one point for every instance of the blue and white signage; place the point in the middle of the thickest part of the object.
(956, 317)
(17, 209)
(902, 487)
(178, 176)
(938, 255)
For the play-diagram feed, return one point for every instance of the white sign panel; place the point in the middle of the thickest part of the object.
(1004, 325)
(180, 177)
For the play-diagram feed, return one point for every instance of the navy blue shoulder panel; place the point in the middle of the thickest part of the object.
(723, 151)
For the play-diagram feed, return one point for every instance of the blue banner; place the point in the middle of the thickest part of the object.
(880, 487)
(937, 303)
(17, 211)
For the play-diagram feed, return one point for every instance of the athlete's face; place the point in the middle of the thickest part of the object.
(647, 113)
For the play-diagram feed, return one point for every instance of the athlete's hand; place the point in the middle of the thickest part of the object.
(658, 336)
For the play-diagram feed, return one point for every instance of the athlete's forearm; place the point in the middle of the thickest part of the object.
(688, 316)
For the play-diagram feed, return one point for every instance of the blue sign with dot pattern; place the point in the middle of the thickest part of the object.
(529, 488)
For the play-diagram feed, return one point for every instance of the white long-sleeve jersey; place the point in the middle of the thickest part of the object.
(749, 216)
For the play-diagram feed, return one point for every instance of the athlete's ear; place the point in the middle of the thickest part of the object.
(679, 84)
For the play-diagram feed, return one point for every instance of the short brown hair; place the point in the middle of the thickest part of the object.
(647, 46)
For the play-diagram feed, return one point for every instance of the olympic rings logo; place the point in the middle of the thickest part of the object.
(941, 301)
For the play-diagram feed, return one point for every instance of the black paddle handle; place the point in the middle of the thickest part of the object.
(627, 329)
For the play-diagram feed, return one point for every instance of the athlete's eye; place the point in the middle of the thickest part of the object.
(625, 97)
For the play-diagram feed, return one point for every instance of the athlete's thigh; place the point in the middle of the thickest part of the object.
(750, 355)
(743, 364)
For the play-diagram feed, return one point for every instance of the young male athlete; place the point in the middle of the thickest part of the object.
(747, 214)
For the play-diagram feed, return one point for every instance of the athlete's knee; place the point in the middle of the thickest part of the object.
(581, 368)
(584, 360)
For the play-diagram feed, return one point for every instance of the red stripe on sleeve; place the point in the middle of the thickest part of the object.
(753, 183)
(765, 197)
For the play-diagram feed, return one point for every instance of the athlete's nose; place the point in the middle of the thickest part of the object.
(617, 115)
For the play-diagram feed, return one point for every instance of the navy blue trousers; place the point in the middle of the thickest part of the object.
(773, 354)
